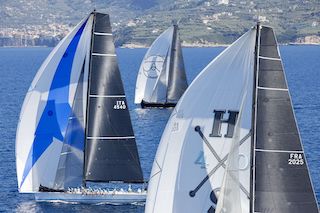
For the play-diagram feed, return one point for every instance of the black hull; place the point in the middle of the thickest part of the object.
(157, 105)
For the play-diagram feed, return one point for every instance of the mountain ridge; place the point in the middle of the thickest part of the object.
(139, 22)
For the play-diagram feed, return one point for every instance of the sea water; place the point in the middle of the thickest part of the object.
(19, 65)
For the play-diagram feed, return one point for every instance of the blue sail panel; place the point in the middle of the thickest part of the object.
(54, 119)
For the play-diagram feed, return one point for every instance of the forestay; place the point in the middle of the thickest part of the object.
(190, 162)
(47, 110)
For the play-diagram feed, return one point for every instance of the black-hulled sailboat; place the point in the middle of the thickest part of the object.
(75, 126)
(232, 143)
(162, 78)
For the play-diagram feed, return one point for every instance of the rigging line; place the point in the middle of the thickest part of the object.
(192, 193)
(160, 170)
(254, 115)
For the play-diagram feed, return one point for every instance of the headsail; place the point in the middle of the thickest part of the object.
(229, 199)
(162, 78)
(189, 166)
(281, 182)
(111, 152)
(46, 110)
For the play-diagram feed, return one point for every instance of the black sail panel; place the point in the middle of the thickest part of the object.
(177, 83)
(111, 152)
(281, 178)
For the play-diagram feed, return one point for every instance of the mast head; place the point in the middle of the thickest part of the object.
(174, 23)
(258, 23)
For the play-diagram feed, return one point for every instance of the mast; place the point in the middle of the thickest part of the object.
(254, 96)
(84, 184)
(172, 50)
(177, 80)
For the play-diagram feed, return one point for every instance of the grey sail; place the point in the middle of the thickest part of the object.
(281, 181)
(110, 147)
(70, 167)
(177, 75)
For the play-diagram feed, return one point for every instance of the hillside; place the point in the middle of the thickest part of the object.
(202, 22)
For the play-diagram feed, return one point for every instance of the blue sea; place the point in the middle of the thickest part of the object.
(19, 65)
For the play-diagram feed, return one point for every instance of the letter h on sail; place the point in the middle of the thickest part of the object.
(218, 120)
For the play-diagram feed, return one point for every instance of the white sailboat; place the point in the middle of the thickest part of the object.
(74, 126)
(162, 79)
(232, 144)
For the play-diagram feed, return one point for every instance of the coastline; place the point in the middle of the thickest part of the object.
(184, 45)
(209, 45)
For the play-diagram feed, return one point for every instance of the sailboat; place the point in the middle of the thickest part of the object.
(162, 78)
(232, 143)
(75, 127)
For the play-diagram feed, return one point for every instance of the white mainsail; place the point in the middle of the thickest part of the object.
(151, 85)
(47, 107)
(190, 163)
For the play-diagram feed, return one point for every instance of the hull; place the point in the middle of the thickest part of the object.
(159, 105)
(115, 198)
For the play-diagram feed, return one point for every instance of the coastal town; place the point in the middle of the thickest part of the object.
(215, 22)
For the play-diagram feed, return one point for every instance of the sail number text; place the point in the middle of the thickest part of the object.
(120, 105)
(295, 159)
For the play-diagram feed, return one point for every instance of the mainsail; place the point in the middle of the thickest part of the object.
(111, 151)
(281, 181)
(218, 155)
(162, 79)
(57, 121)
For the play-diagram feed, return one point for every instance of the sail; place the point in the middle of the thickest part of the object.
(110, 149)
(162, 76)
(177, 79)
(46, 110)
(152, 67)
(70, 168)
(281, 181)
(189, 166)
(229, 195)
(229, 200)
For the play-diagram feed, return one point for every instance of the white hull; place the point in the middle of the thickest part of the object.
(117, 198)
